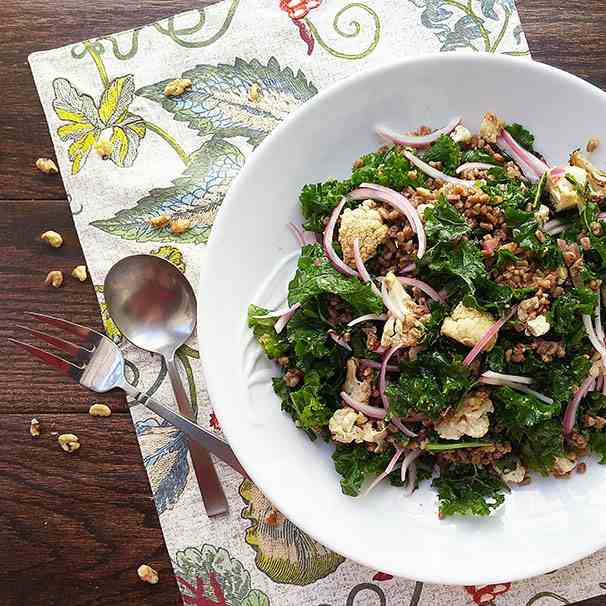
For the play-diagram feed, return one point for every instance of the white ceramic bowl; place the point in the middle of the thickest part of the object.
(542, 526)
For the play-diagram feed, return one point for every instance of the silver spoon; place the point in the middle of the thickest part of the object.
(154, 306)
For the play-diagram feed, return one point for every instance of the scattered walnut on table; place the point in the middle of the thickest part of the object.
(54, 279)
(592, 144)
(34, 428)
(255, 93)
(148, 574)
(104, 148)
(53, 238)
(180, 226)
(46, 165)
(69, 442)
(79, 272)
(177, 87)
(100, 410)
(159, 221)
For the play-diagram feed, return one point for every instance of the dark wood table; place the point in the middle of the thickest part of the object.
(73, 529)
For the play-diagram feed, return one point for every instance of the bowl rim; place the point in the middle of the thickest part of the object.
(220, 223)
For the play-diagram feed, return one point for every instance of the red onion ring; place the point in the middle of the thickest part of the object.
(570, 414)
(486, 337)
(417, 140)
(367, 317)
(377, 365)
(397, 421)
(364, 275)
(539, 167)
(434, 173)
(397, 201)
(428, 290)
(372, 412)
(532, 392)
(339, 340)
(408, 268)
(589, 329)
(509, 378)
(302, 236)
(472, 165)
(388, 470)
(409, 464)
(329, 251)
(282, 321)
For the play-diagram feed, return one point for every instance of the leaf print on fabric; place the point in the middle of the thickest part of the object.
(196, 195)
(111, 330)
(85, 123)
(284, 553)
(465, 30)
(486, 594)
(209, 576)
(219, 101)
(172, 254)
(164, 451)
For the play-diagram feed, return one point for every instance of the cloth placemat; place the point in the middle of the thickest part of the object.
(251, 63)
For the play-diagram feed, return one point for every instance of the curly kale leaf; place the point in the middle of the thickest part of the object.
(541, 444)
(273, 344)
(317, 200)
(468, 490)
(315, 276)
(518, 409)
(355, 463)
(478, 155)
(522, 135)
(597, 444)
(389, 168)
(306, 333)
(446, 151)
(443, 222)
(567, 310)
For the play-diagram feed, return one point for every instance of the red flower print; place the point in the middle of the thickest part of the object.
(214, 422)
(297, 10)
(485, 594)
(197, 597)
(382, 576)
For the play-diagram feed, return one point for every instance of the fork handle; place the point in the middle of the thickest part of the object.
(213, 444)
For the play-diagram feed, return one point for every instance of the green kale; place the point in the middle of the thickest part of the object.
(434, 323)
(495, 359)
(541, 444)
(307, 334)
(478, 155)
(315, 276)
(310, 413)
(443, 222)
(273, 344)
(523, 228)
(561, 379)
(355, 463)
(430, 384)
(490, 296)
(468, 490)
(597, 444)
(517, 409)
(389, 168)
(505, 256)
(566, 313)
(446, 151)
(523, 136)
(317, 200)
(505, 191)
(594, 403)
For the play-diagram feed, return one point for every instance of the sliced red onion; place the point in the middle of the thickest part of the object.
(557, 171)
(599, 384)
(472, 165)
(339, 340)
(524, 159)
(366, 318)
(518, 158)
(570, 414)
(282, 321)
(397, 421)
(408, 464)
(511, 378)
(418, 140)
(604, 386)
(377, 365)
(390, 467)
(397, 201)
(302, 236)
(589, 329)
(393, 305)
(383, 385)
(599, 329)
(486, 337)
(532, 392)
(549, 225)
(408, 268)
(428, 290)
(554, 231)
(380, 349)
(602, 216)
(329, 251)
(372, 412)
(364, 275)
(434, 173)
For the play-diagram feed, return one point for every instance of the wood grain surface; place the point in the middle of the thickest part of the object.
(74, 528)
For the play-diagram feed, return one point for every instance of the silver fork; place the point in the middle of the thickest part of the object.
(97, 363)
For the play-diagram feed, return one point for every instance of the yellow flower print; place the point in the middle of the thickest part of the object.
(86, 123)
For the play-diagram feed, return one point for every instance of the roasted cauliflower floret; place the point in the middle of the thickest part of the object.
(538, 326)
(470, 418)
(366, 224)
(563, 192)
(346, 426)
(596, 177)
(516, 475)
(542, 214)
(460, 134)
(467, 325)
(490, 127)
(358, 390)
(409, 328)
(562, 466)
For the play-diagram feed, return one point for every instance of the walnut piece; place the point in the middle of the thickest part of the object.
(34, 428)
(177, 87)
(99, 410)
(592, 144)
(180, 226)
(53, 238)
(54, 279)
(159, 222)
(46, 165)
(148, 574)
(255, 93)
(79, 272)
(104, 148)
(69, 442)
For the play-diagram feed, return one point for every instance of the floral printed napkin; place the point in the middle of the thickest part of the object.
(251, 64)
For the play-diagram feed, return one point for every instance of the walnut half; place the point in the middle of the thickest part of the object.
(69, 442)
(54, 279)
(53, 238)
(180, 226)
(99, 410)
(46, 165)
(148, 574)
(79, 272)
(34, 428)
(177, 87)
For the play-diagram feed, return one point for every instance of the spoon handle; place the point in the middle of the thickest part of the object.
(211, 490)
